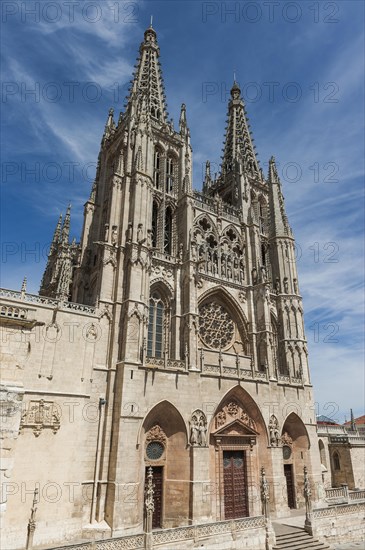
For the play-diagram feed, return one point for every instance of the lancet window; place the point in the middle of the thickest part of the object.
(156, 326)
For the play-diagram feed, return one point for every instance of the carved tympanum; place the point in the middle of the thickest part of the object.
(232, 411)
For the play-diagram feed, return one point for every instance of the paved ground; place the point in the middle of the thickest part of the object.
(350, 546)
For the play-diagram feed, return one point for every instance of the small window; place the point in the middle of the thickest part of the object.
(157, 169)
(169, 175)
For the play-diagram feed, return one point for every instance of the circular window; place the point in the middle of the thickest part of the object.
(216, 328)
(286, 452)
(154, 450)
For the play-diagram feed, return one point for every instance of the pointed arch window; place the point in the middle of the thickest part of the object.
(157, 169)
(154, 224)
(169, 175)
(168, 231)
(156, 321)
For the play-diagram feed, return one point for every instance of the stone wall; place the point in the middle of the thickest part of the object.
(340, 524)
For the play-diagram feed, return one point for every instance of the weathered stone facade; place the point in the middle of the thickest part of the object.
(171, 336)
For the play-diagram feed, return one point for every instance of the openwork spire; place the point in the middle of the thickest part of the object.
(147, 85)
(279, 225)
(238, 146)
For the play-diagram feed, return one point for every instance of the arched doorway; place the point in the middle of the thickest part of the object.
(164, 447)
(238, 443)
(295, 446)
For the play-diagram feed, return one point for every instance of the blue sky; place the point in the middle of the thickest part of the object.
(301, 69)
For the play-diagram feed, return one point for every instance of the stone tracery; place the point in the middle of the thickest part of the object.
(219, 254)
(216, 328)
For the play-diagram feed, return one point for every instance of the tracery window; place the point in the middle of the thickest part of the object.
(156, 319)
(216, 328)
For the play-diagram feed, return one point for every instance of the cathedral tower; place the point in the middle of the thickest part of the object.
(207, 376)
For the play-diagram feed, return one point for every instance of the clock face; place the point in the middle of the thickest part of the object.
(154, 450)
(286, 452)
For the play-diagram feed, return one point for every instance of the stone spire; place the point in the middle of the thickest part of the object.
(56, 236)
(183, 125)
(208, 178)
(109, 126)
(279, 226)
(238, 146)
(147, 85)
(66, 226)
(353, 424)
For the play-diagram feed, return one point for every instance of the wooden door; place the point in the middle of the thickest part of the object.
(235, 485)
(288, 472)
(157, 473)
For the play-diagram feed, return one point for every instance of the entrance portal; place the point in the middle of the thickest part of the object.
(157, 473)
(288, 472)
(235, 485)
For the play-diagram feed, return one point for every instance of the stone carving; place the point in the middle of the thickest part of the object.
(286, 439)
(198, 429)
(218, 254)
(277, 285)
(232, 408)
(156, 433)
(114, 235)
(216, 328)
(220, 419)
(149, 500)
(286, 285)
(231, 411)
(264, 493)
(41, 415)
(274, 431)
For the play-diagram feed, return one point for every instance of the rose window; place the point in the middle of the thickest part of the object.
(216, 328)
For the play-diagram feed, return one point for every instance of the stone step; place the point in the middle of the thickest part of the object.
(298, 540)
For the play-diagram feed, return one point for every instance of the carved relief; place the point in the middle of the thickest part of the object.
(41, 415)
(286, 439)
(231, 411)
(198, 429)
(156, 433)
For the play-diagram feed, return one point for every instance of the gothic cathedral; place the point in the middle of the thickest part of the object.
(191, 343)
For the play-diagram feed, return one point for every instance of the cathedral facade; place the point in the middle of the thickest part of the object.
(170, 337)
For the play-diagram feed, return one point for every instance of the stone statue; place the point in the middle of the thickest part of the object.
(295, 285)
(277, 285)
(114, 235)
(254, 276)
(106, 235)
(274, 431)
(198, 429)
(129, 232)
(286, 285)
